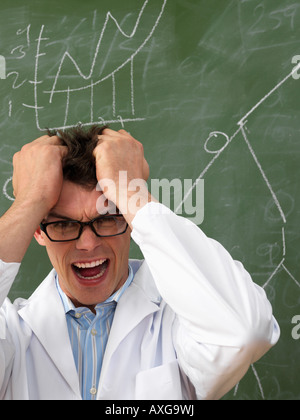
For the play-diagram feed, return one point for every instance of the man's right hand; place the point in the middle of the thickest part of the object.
(37, 183)
(38, 174)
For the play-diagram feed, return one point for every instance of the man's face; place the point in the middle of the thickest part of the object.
(77, 203)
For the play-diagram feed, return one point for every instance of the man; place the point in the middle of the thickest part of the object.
(185, 323)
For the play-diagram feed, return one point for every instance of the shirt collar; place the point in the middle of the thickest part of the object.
(69, 306)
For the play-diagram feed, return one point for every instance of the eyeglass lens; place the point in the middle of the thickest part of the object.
(69, 230)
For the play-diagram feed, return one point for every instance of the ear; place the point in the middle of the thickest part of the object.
(39, 236)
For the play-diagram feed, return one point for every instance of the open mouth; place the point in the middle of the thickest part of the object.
(92, 270)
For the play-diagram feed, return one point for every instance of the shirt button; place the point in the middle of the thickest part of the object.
(78, 315)
(93, 391)
(94, 332)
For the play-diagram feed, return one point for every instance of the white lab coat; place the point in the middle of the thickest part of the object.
(188, 327)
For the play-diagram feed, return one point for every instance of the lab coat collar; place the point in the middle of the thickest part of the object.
(45, 315)
(138, 301)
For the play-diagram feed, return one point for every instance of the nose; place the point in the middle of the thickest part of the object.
(88, 240)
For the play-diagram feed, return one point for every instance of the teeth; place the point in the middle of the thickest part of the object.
(90, 265)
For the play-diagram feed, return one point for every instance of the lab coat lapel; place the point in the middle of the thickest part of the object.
(45, 315)
(138, 301)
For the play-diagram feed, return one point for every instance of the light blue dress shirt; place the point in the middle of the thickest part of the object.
(88, 336)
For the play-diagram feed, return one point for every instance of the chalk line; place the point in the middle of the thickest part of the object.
(283, 241)
(217, 155)
(258, 381)
(269, 94)
(4, 190)
(291, 276)
(263, 173)
(274, 273)
(87, 77)
(119, 120)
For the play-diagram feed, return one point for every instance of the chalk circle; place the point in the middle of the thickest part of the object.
(5, 187)
(208, 146)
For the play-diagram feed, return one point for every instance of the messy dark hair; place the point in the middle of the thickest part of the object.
(79, 164)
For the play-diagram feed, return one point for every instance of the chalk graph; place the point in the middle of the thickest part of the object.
(90, 79)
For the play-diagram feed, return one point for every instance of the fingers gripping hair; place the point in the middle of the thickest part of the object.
(79, 163)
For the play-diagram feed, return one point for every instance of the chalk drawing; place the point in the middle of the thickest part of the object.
(19, 52)
(90, 77)
(242, 129)
(4, 190)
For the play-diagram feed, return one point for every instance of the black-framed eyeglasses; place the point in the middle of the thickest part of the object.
(71, 230)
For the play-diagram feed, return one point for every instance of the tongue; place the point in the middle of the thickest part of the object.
(90, 272)
(93, 271)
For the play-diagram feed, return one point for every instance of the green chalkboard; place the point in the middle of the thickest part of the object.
(208, 87)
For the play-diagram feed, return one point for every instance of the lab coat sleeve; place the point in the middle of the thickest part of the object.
(8, 273)
(224, 320)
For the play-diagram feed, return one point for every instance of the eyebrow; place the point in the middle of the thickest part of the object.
(61, 217)
(58, 216)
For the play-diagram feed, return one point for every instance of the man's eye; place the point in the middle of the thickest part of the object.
(63, 226)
